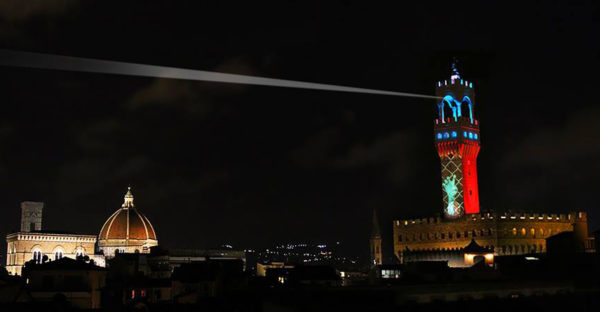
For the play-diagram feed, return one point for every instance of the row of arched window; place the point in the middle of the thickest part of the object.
(58, 254)
(474, 233)
(532, 232)
(449, 235)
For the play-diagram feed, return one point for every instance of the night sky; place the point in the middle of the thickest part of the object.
(213, 163)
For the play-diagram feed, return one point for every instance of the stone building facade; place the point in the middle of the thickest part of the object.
(507, 234)
(33, 243)
(458, 141)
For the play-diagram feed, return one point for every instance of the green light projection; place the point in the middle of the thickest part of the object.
(451, 190)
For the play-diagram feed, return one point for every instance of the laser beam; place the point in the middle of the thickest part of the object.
(79, 64)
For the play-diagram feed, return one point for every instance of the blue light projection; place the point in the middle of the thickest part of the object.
(455, 106)
(453, 134)
(446, 135)
(471, 135)
(439, 136)
(475, 136)
(465, 134)
(468, 100)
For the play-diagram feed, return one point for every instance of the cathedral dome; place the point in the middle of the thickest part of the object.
(127, 230)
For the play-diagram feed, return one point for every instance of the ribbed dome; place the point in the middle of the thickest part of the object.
(127, 223)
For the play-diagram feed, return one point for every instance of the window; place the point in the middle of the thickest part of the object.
(79, 253)
(475, 136)
(37, 256)
(465, 134)
(470, 135)
(523, 231)
(390, 273)
(532, 231)
(541, 231)
(439, 136)
(446, 135)
(399, 238)
(58, 254)
(454, 134)
(514, 231)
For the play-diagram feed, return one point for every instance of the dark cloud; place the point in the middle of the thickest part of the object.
(18, 11)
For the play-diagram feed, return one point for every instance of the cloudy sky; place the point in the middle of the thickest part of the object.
(213, 163)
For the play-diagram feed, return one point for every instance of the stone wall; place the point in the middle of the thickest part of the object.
(22, 245)
(508, 234)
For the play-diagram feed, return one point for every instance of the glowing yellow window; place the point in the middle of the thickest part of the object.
(523, 231)
(514, 231)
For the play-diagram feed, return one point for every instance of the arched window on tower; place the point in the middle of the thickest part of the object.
(514, 231)
(532, 232)
(523, 232)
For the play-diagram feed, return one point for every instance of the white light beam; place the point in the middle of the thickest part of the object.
(80, 64)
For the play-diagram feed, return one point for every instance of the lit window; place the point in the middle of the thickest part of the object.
(470, 135)
(523, 231)
(439, 136)
(37, 256)
(446, 135)
(475, 136)
(453, 134)
(465, 134)
(514, 231)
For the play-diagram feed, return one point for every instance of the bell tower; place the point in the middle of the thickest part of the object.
(457, 140)
(375, 242)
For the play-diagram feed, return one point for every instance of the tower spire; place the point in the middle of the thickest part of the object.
(454, 69)
(375, 232)
(375, 242)
(128, 201)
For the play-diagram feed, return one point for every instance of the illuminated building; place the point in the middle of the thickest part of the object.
(126, 231)
(457, 141)
(376, 253)
(34, 243)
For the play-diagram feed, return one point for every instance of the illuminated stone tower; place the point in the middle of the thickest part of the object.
(375, 242)
(457, 141)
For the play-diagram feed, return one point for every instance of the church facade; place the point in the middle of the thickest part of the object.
(127, 230)
(458, 141)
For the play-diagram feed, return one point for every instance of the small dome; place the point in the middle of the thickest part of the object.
(127, 229)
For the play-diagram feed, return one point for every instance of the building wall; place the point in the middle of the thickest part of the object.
(376, 252)
(22, 245)
(110, 246)
(508, 234)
